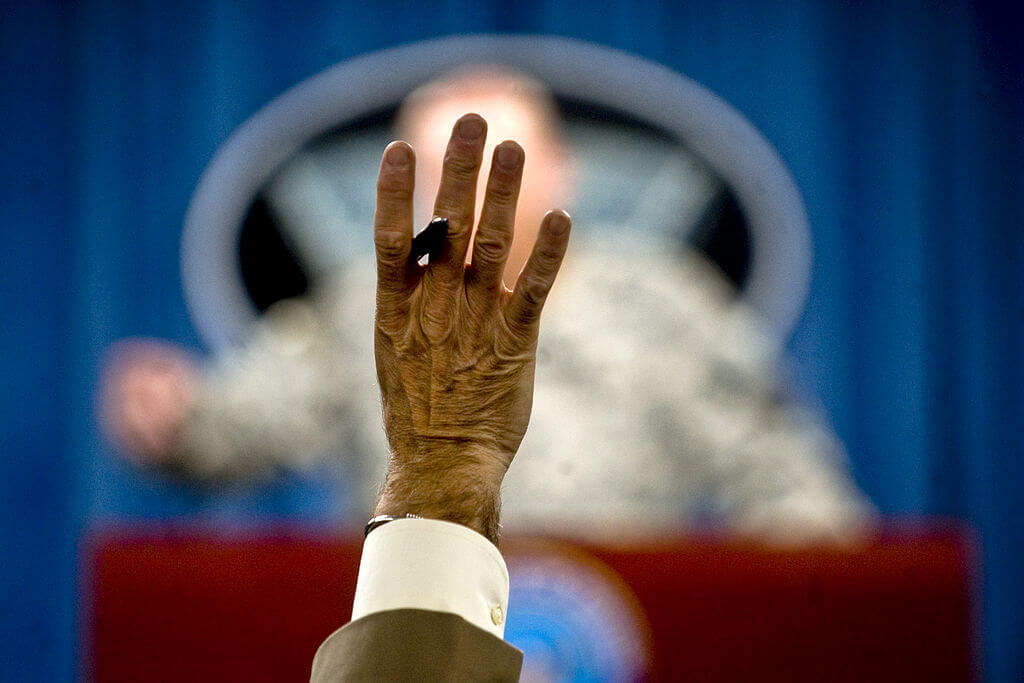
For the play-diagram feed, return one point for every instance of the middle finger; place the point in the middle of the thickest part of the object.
(456, 195)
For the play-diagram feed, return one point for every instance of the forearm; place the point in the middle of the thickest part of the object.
(455, 354)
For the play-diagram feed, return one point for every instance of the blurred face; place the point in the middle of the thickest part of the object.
(545, 181)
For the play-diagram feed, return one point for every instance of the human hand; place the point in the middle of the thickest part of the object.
(147, 389)
(455, 349)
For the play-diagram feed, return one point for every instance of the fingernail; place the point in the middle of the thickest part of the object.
(397, 155)
(471, 127)
(509, 154)
(558, 223)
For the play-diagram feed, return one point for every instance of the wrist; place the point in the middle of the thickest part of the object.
(456, 496)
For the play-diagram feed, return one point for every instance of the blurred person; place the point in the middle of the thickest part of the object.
(656, 406)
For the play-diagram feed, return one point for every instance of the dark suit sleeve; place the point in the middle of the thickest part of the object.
(414, 645)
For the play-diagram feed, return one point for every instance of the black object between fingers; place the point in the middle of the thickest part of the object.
(430, 240)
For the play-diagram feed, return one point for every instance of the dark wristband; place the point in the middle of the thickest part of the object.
(380, 520)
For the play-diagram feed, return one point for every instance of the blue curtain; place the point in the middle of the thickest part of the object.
(901, 121)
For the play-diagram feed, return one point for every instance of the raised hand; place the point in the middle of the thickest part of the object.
(455, 349)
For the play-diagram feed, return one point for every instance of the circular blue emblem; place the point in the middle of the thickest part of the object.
(574, 618)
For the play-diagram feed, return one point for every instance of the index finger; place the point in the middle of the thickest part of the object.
(392, 225)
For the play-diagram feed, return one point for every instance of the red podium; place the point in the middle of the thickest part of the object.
(202, 605)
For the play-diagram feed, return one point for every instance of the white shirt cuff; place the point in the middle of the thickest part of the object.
(433, 565)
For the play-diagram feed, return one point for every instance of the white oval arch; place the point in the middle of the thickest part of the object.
(778, 280)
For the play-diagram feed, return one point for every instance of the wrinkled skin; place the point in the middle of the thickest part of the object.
(455, 349)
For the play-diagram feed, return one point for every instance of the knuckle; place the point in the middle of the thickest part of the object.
(501, 194)
(491, 246)
(392, 190)
(535, 289)
(518, 327)
(459, 219)
(548, 261)
(461, 166)
(390, 244)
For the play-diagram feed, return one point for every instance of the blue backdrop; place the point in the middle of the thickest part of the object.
(901, 121)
